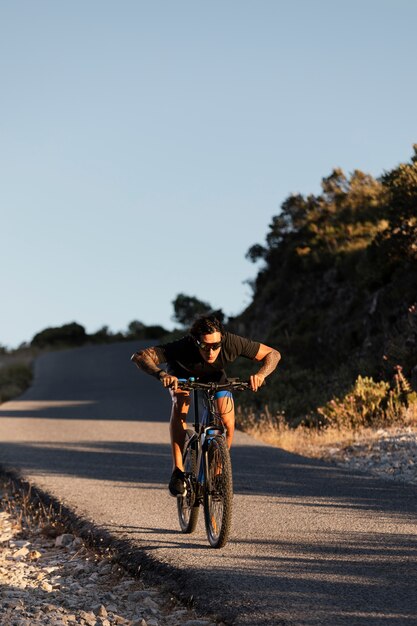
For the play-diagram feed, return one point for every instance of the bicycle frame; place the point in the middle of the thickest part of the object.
(205, 428)
(207, 465)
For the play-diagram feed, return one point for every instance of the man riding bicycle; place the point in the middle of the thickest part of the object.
(203, 353)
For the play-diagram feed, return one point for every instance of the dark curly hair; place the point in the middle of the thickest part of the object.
(206, 325)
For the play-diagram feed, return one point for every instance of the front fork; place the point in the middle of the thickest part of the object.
(206, 437)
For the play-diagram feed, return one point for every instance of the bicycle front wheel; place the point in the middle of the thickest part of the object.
(218, 494)
(188, 505)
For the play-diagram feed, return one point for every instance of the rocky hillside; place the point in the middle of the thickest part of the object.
(336, 291)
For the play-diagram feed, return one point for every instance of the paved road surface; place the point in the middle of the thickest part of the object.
(312, 544)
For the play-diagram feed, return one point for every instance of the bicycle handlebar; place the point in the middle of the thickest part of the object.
(232, 384)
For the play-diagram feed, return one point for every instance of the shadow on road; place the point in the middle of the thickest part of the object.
(258, 471)
(358, 579)
(276, 472)
(107, 404)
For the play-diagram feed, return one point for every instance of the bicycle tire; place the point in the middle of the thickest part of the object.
(218, 494)
(188, 505)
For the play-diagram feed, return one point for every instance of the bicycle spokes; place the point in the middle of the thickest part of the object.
(214, 523)
(218, 493)
(187, 505)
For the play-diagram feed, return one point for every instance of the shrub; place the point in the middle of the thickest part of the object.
(137, 330)
(362, 406)
(67, 335)
(370, 403)
(14, 379)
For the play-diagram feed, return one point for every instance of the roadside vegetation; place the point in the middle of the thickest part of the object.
(336, 293)
(74, 334)
(361, 414)
(15, 372)
(27, 512)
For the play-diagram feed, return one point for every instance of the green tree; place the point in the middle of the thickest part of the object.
(67, 335)
(139, 330)
(324, 294)
(135, 329)
(187, 308)
(103, 335)
(401, 236)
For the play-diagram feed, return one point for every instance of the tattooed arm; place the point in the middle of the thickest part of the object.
(149, 359)
(270, 359)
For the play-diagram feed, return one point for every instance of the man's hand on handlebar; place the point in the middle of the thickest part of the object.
(256, 381)
(168, 380)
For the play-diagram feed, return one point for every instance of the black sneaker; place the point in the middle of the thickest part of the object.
(177, 486)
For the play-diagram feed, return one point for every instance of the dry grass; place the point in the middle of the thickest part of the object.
(357, 416)
(28, 512)
(14, 380)
(16, 372)
(314, 442)
(274, 431)
(21, 355)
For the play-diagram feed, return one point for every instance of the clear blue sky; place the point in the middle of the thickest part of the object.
(145, 146)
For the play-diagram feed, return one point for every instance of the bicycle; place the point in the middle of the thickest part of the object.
(207, 465)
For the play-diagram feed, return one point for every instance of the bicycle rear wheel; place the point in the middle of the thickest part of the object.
(188, 505)
(218, 494)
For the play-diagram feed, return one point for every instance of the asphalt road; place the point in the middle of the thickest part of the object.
(312, 544)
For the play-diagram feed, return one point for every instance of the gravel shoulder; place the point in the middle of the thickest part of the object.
(49, 577)
(389, 453)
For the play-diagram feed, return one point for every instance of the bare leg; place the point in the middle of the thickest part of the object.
(178, 426)
(227, 411)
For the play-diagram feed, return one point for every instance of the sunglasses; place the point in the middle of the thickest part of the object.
(208, 346)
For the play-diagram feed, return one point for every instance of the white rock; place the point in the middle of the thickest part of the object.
(64, 540)
(89, 618)
(77, 542)
(20, 554)
(149, 603)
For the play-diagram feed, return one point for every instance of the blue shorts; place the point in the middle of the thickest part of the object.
(223, 394)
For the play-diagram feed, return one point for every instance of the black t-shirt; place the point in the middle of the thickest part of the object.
(184, 359)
